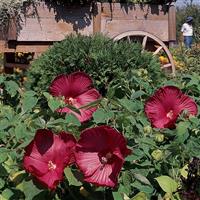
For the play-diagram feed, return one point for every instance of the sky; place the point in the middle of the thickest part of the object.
(182, 2)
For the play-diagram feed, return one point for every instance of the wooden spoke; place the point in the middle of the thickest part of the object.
(129, 39)
(157, 50)
(144, 42)
(160, 43)
(166, 65)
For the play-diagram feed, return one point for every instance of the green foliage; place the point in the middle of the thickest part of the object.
(98, 56)
(152, 171)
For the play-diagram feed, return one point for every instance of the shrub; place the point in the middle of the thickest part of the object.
(98, 56)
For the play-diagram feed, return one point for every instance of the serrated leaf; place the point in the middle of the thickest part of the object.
(167, 184)
(11, 87)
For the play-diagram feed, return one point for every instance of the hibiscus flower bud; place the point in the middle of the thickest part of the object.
(157, 154)
(159, 137)
(147, 129)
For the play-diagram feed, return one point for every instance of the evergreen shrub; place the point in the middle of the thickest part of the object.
(100, 57)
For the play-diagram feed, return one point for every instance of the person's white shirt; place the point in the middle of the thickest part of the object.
(187, 29)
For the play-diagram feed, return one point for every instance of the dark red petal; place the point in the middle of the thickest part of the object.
(106, 175)
(70, 144)
(163, 101)
(187, 103)
(88, 162)
(35, 166)
(101, 177)
(94, 140)
(70, 85)
(51, 179)
(61, 150)
(44, 140)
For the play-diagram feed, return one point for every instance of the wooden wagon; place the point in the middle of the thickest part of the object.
(153, 25)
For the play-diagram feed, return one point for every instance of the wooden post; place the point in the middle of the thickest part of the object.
(96, 17)
(172, 24)
(12, 30)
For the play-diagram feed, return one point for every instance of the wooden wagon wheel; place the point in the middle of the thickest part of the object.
(129, 35)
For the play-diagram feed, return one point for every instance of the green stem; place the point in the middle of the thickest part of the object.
(70, 191)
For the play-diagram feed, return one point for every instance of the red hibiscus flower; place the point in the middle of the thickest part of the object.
(47, 156)
(100, 154)
(165, 106)
(77, 91)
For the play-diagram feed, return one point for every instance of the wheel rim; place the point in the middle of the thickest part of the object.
(146, 35)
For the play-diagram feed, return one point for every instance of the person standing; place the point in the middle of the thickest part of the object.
(187, 31)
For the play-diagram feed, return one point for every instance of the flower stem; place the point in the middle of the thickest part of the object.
(70, 191)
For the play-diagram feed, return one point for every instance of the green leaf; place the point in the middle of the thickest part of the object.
(54, 104)
(29, 101)
(117, 196)
(130, 105)
(101, 116)
(72, 119)
(4, 123)
(20, 131)
(127, 179)
(140, 196)
(29, 189)
(182, 131)
(167, 184)
(11, 88)
(7, 194)
(2, 183)
(3, 154)
(71, 178)
(142, 179)
(2, 78)
(137, 94)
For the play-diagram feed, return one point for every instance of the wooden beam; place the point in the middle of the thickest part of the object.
(96, 17)
(172, 24)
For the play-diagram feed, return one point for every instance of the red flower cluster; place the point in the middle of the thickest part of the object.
(77, 91)
(165, 106)
(99, 154)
